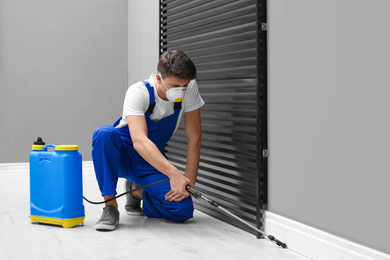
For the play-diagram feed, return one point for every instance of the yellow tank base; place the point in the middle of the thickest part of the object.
(65, 223)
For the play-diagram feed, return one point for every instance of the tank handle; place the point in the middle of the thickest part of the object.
(48, 146)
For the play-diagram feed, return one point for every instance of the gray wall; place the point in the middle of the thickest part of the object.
(329, 116)
(63, 71)
(143, 39)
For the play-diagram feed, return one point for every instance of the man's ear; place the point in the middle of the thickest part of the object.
(158, 78)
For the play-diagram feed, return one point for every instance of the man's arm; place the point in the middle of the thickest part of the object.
(149, 151)
(194, 136)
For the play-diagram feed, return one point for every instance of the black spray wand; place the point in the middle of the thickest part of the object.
(199, 195)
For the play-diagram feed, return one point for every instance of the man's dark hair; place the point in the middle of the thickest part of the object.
(176, 63)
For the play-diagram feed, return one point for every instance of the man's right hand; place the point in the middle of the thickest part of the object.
(178, 190)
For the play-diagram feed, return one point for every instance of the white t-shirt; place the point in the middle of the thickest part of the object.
(137, 102)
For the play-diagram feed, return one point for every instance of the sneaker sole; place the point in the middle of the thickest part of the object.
(131, 213)
(106, 226)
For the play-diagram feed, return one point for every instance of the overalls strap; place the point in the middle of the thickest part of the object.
(152, 101)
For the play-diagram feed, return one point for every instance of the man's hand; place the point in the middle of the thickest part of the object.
(178, 190)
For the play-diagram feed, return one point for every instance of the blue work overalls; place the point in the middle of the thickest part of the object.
(114, 156)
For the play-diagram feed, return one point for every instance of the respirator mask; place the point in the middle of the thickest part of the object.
(175, 94)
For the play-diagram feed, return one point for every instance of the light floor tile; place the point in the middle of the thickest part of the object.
(202, 237)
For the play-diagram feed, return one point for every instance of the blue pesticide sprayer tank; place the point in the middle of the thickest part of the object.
(56, 188)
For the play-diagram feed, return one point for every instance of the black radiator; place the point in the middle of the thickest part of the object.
(226, 39)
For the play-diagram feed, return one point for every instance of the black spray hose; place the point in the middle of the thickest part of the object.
(199, 195)
(124, 193)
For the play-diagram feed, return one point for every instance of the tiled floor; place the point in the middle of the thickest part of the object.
(203, 237)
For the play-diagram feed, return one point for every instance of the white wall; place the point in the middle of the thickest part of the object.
(329, 116)
(63, 72)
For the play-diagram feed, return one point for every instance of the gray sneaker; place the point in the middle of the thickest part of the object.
(109, 219)
(133, 204)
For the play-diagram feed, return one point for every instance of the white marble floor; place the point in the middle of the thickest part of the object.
(202, 237)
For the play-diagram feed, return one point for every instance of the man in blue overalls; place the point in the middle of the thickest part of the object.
(133, 148)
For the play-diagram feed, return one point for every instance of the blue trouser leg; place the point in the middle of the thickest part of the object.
(111, 161)
(109, 158)
(154, 203)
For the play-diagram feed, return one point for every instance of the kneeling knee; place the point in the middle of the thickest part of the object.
(183, 212)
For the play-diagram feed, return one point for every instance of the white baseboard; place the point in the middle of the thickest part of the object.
(88, 166)
(317, 244)
(14, 167)
(25, 166)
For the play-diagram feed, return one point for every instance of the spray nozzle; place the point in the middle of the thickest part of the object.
(39, 141)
